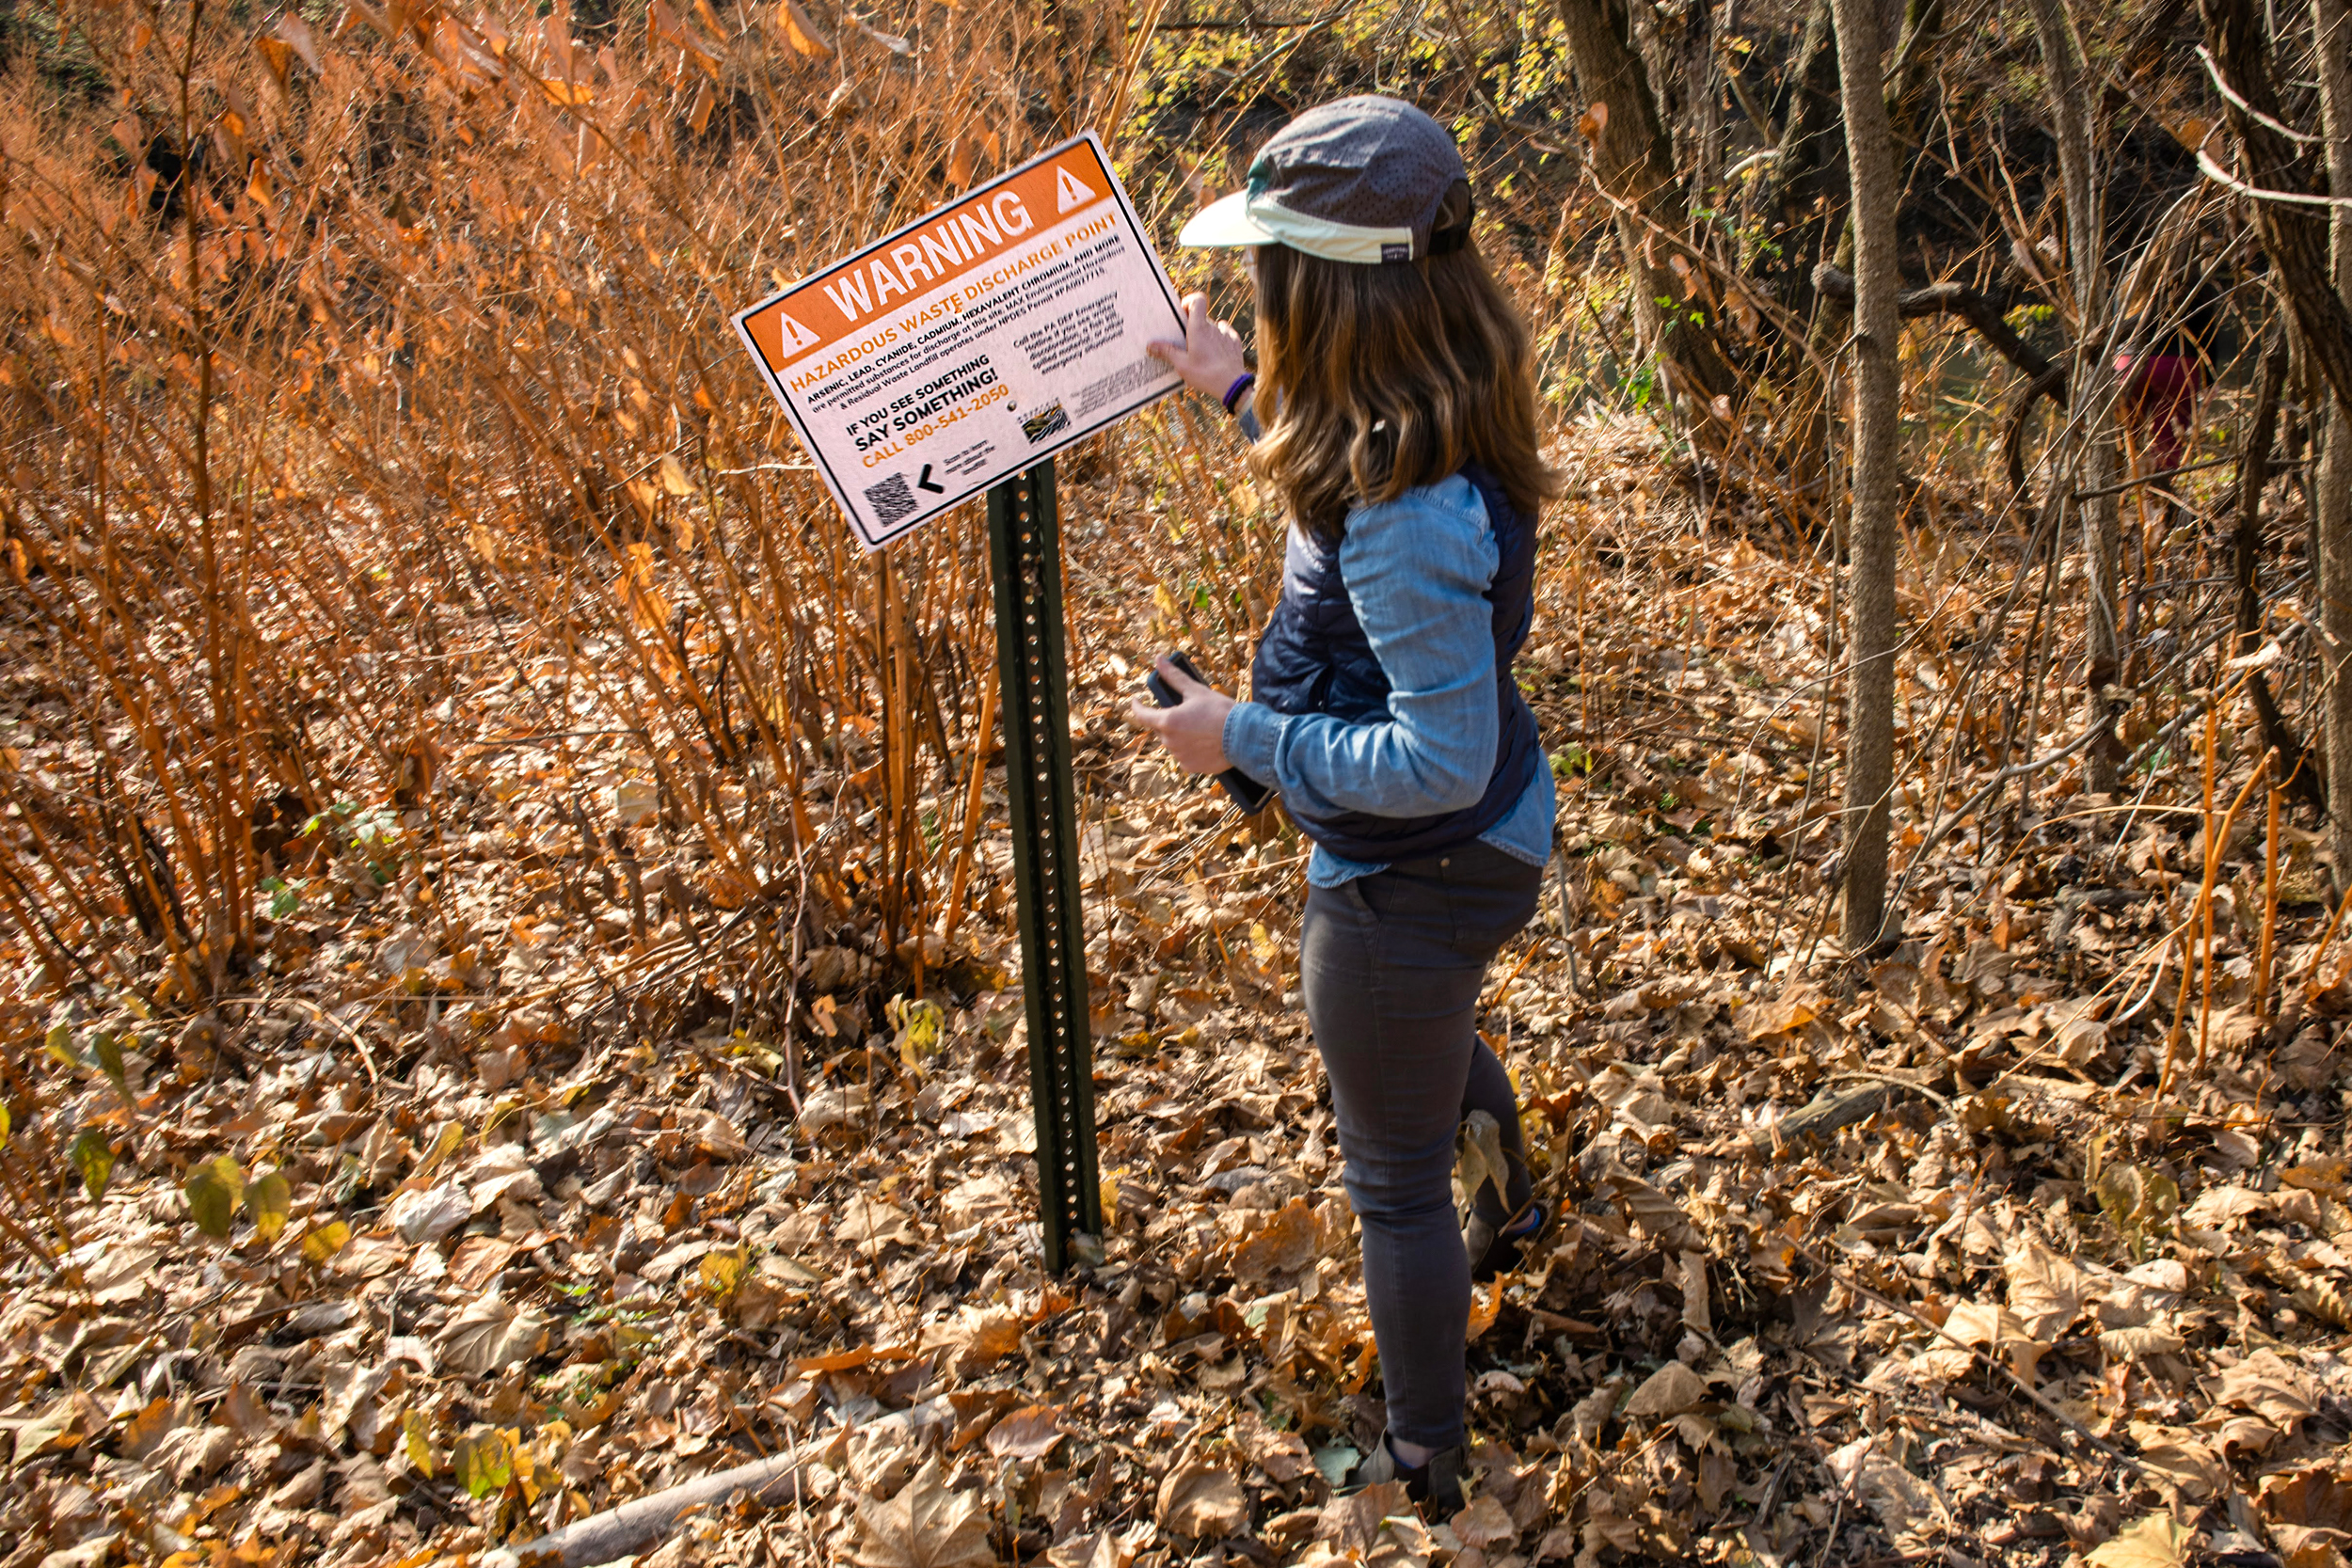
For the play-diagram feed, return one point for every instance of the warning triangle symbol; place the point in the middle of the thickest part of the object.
(1070, 191)
(795, 336)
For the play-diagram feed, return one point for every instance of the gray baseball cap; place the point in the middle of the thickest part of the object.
(1366, 180)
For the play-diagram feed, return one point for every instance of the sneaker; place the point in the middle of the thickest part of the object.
(1437, 1482)
(1492, 1249)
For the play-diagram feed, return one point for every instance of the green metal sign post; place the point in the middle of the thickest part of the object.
(1025, 558)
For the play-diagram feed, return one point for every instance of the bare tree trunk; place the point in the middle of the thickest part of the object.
(1816, 238)
(1877, 447)
(1914, 67)
(1808, 167)
(2089, 380)
(2331, 22)
(1633, 159)
(2292, 235)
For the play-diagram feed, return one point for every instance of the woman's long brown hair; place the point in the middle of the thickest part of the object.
(1374, 380)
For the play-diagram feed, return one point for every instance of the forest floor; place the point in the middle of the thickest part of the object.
(410, 1253)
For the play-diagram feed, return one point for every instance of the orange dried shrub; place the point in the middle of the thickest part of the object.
(369, 402)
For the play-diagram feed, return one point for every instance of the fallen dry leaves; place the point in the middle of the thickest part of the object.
(924, 1526)
(507, 1191)
(507, 1279)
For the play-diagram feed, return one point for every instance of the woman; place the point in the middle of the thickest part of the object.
(1393, 411)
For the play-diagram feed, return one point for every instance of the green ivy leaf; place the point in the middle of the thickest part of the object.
(94, 1157)
(214, 1189)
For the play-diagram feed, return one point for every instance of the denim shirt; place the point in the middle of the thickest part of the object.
(1417, 569)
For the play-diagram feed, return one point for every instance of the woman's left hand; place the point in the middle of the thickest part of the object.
(1194, 730)
(1210, 357)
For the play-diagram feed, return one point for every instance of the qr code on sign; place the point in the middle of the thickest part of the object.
(891, 499)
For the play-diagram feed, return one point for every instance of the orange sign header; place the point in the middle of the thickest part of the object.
(832, 309)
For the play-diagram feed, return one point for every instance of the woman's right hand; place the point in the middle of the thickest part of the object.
(1210, 357)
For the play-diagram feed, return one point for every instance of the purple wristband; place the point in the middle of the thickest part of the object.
(1241, 384)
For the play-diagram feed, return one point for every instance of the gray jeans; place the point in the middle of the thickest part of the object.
(1391, 965)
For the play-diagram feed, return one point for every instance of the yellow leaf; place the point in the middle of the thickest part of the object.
(528, 1471)
(920, 1026)
(214, 1189)
(445, 1143)
(325, 1240)
(268, 1201)
(107, 1047)
(482, 1461)
(94, 1157)
(418, 1441)
(722, 1271)
(674, 477)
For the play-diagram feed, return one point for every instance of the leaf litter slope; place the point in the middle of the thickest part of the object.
(333, 1309)
(529, 1173)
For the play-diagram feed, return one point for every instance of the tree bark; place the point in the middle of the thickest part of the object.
(2294, 768)
(1877, 447)
(2294, 237)
(1809, 174)
(2332, 22)
(2090, 379)
(1808, 170)
(1633, 159)
(1914, 67)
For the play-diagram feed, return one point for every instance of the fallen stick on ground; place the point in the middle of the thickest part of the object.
(621, 1531)
(1825, 1113)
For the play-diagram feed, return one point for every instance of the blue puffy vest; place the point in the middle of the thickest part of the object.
(1315, 658)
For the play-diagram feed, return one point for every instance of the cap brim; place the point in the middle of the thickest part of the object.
(1226, 223)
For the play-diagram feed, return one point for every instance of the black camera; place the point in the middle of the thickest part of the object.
(1240, 788)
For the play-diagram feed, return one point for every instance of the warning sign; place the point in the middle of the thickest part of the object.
(971, 344)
